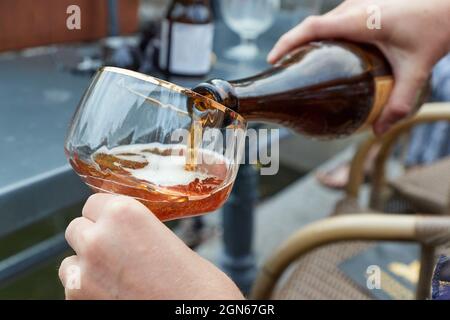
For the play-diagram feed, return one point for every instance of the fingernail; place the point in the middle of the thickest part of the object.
(270, 56)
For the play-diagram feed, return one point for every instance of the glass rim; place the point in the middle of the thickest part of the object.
(171, 86)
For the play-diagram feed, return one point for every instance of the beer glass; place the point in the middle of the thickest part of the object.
(172, 149)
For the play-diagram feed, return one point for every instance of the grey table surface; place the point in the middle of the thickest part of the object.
(37, 100)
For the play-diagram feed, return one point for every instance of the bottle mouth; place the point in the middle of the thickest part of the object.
(221, 91)
(209, 91)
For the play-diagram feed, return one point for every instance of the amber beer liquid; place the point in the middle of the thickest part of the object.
(156, 175)
(325, 89)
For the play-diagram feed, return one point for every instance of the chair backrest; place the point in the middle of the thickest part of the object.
(430, 112)
(429, 231)
(426, 187)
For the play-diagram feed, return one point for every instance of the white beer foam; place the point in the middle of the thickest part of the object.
(164, 171)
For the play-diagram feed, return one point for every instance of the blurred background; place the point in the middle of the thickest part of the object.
(46, 63)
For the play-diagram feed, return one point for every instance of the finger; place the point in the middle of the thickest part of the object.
(106, 205)
(312, 28)
(68, 272)
(401, 102)
(95, 205)
(76, 231)
(75, 283)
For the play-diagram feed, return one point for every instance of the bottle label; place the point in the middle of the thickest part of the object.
(383, 88)
(190, 47)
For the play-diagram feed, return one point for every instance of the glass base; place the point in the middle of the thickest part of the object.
(242, 52)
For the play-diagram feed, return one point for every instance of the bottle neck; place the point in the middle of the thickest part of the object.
(221, 91)
(250, 97)
(255, 98)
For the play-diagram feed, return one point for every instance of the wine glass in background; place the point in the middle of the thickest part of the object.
(249, 19)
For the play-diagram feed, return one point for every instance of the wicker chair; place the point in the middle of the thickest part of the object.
(306, 265)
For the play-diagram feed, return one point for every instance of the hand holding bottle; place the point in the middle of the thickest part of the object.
(414, 35)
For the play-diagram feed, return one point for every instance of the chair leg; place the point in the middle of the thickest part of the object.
(426, 272)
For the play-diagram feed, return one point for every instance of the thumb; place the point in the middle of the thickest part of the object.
(403, 99)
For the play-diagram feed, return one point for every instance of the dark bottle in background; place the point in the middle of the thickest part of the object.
(325, 89)
(187, 38)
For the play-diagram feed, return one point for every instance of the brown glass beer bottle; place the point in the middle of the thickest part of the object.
(187, 38)
(325, 89)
